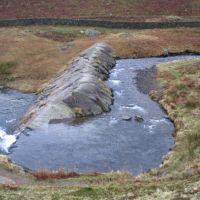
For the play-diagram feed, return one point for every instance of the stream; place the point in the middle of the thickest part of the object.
(103, 143)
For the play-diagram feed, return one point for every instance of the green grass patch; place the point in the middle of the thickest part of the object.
(6, 71)
(69, 33)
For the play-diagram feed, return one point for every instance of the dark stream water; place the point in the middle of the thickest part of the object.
(105, 142)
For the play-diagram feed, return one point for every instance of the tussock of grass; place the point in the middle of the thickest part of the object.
(5, 67)
(61, 174)
(45, 174)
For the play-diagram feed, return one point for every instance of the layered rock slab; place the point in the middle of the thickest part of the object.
(78, 91)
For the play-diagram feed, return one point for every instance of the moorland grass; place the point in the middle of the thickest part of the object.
(181, 82)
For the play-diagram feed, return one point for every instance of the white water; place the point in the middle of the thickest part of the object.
(6, 141)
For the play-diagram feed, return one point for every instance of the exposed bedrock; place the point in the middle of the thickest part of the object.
(78, 91)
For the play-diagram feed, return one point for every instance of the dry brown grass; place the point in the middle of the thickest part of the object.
(181, 94)
(45, 174)
(61, 174)
(11, 187)
(39, 59)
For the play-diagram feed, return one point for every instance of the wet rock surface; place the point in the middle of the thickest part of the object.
(126, 117)
(139, 118)
(78, 91)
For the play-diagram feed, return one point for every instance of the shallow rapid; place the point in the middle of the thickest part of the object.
(105, 142)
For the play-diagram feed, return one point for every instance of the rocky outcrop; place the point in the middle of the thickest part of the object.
(78, 91)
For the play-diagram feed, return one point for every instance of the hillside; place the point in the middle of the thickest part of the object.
(127, 10)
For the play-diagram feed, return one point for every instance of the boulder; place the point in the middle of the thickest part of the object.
(79, 90)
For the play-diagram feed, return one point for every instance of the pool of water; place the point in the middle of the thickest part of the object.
(105, 142)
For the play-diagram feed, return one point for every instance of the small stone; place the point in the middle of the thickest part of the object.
(126, 117)
(92, 33)
(195, 189)
(139, 118)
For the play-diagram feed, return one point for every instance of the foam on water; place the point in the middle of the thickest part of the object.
(6, 141)
(133, 107)
(113, 121)
(115, 82)
(157, 121)
(119, 93)
(115, 74)
(10, 121)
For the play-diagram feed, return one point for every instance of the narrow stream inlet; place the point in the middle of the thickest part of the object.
(106, 142)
